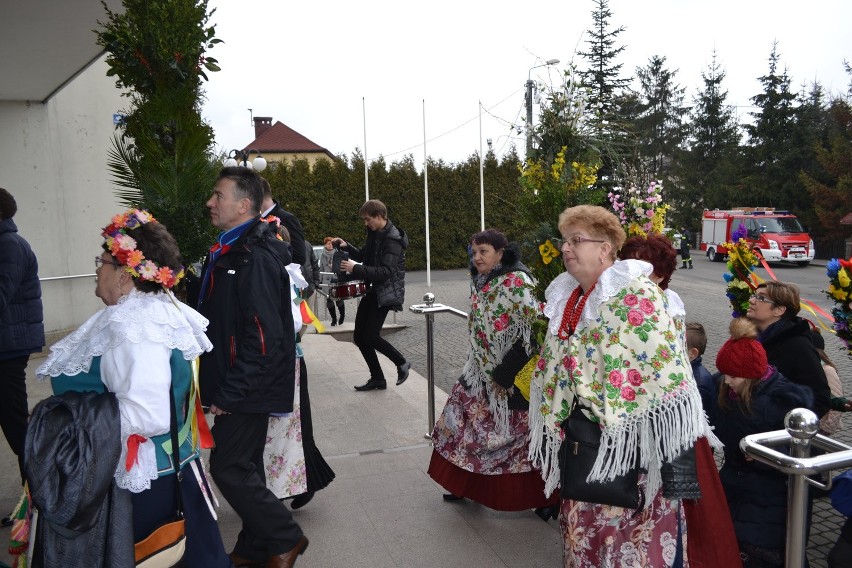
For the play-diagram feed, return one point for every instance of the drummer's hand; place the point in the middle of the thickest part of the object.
(347, 266)
(337, 242)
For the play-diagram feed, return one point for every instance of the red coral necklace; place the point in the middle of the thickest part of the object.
(573, 310)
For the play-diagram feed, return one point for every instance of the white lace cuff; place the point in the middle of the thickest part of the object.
(139, 477)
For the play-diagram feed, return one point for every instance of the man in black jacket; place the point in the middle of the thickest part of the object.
(381, 264)
(245, 293)
(290, 221)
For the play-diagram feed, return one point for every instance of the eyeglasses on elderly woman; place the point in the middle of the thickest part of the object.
(574, 242)
(761, 298)
(99, 261)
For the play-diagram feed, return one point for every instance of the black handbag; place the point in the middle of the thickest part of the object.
(577, 456)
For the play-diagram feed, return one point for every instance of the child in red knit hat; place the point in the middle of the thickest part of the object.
(753, 397)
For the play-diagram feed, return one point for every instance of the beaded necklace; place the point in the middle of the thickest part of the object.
(573, 311)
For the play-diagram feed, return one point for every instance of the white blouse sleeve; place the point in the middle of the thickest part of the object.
(140, 375)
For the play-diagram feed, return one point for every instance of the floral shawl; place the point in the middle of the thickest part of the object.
(626, 362)
(501, 313)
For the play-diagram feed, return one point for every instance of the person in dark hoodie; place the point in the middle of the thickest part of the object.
(381, 264)
(774, 309)
(753, 397)
(481, 439)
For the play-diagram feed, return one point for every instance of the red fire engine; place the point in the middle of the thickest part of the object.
(776, 234)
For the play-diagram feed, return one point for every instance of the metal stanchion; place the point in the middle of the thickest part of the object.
(429, 309)
(800, 435)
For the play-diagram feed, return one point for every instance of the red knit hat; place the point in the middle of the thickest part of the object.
(742, 355)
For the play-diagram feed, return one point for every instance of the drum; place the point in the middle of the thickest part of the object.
(347, 290)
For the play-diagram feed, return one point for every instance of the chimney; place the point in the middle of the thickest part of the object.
(261, 124)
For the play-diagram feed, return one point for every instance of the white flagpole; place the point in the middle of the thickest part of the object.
(366, 177)
(481, 176)
(426, 199)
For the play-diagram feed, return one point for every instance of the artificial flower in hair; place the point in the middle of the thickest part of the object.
(123, 247)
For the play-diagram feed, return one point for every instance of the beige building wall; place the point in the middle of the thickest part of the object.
(311, 157)
(54, 163)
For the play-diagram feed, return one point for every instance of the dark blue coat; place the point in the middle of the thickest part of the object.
(757, 493)
(706, 385)
(21, 315)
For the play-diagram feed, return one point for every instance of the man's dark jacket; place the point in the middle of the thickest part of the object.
(383, 258)
(21, 315)
(790, 350)
(297, 234)
(72, 450)
(251, 367)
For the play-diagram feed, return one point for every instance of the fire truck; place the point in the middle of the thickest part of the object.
(776, 234)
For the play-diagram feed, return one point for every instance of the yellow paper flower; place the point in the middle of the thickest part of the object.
(843, 278)
(548, 252)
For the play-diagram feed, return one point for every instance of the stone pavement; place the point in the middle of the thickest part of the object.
(383, 509)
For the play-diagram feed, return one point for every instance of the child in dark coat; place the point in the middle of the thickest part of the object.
(753, 397)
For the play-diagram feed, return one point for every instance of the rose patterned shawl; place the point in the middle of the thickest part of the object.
(501, 313)
(627, 363)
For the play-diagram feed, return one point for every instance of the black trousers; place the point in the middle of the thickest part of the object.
(13, 405)
(368, 336)
(236, 464)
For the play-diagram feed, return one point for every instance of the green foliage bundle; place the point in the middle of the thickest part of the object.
(162, 157)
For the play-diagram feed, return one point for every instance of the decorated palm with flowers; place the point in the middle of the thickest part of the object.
(641, 211)
(740, 277)
(839, 273)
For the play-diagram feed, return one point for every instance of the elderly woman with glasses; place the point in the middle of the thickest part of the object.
(130, 362)
(774, 309)
(613, 348)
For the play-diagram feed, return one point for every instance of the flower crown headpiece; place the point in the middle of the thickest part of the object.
(123, 247)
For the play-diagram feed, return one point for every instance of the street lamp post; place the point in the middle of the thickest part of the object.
(241, 158)
(529, 101)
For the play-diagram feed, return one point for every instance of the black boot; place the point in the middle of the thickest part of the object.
(342, 307)
(330, 306)
(690, 265)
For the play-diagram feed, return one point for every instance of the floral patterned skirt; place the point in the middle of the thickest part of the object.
(601, 536)
(284, 455)
(471, 459)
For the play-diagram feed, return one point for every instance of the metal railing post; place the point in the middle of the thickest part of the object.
(429, 309)
(800, 435)
(429, 298)
(802, 425)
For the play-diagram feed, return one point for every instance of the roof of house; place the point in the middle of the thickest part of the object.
(281, 139)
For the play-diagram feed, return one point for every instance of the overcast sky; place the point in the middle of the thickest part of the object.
(311, 64)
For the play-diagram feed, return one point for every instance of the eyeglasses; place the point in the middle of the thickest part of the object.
(574, 241)
(99, 261)
(762, 299)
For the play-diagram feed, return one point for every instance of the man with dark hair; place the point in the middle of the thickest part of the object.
(21, 326)
(290, 221)
(250, 374)
(381, 263)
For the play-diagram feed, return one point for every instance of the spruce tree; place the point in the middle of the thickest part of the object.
(708, 168)
(659, 128)
(773, 178)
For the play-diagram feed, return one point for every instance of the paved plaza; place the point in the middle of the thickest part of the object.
(383, 510)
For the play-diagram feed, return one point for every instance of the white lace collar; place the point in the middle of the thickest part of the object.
(612, 281)
(676, 307)
(138, 316)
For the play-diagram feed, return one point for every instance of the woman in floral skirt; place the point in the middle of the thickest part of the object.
(613, 348)
(481, 437)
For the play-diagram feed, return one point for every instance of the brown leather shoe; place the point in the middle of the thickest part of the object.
(288, 559)
(241, 562)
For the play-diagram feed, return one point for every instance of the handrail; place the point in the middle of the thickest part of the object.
(801, 433)
(70, 277)
(429, 309)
